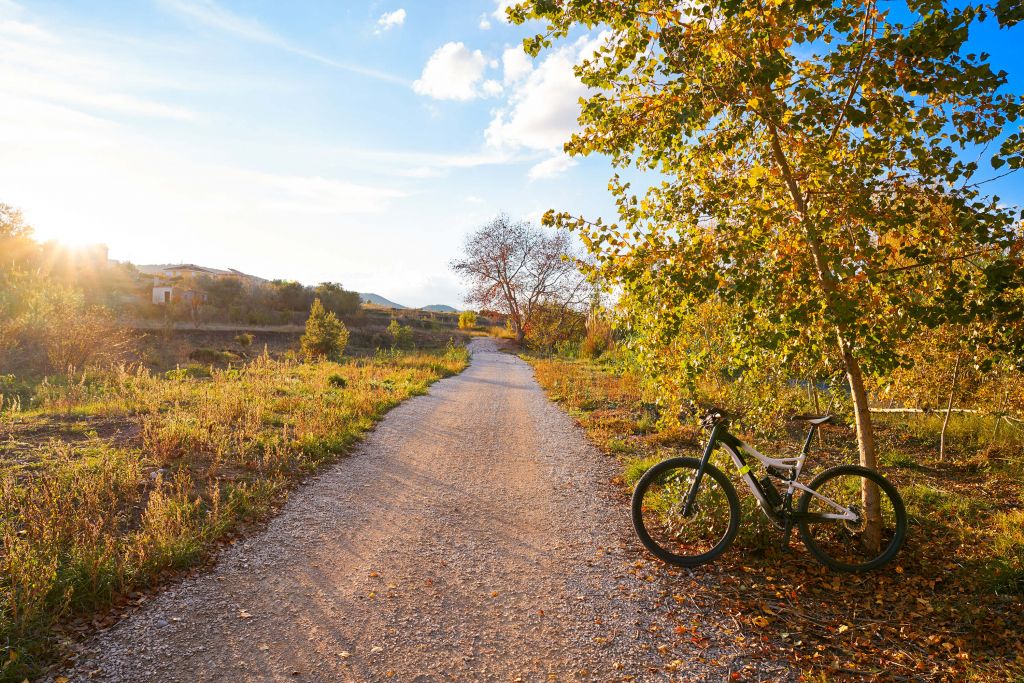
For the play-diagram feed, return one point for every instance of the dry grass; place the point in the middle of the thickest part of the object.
(113, 479)
(950, 606)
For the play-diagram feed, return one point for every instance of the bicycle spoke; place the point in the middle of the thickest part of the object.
(685, 534)
(846, 541)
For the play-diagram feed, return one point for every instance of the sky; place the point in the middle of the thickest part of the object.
(353, 141)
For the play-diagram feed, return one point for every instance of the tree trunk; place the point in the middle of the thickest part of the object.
(949, 406)
(817, 409)
(999, 419)
(870, 497)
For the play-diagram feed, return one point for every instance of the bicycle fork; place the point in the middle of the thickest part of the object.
(691, 495)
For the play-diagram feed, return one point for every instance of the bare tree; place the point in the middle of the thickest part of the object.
(514, 267)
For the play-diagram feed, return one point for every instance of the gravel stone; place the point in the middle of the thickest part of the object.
(473, 536)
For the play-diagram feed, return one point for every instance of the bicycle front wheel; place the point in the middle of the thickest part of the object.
(852, 545)
(691, 539)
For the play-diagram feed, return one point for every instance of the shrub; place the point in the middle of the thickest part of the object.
(337, 380)
(598, 339)
(467, 320)
(552, 324)
(244, 340)
(326, 336)
(58, 331)
(401, 335)
(211, 356)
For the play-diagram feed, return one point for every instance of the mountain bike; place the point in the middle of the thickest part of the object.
(687, 513)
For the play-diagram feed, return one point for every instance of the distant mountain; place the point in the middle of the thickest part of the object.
(440, 308)
(378, 300)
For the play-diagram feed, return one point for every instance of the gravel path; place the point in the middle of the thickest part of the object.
(473, 536)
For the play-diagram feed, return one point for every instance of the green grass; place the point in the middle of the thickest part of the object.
(86, 517)
(1006, 572)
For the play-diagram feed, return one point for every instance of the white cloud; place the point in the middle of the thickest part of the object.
(310, 194)
(453, 72)
(209, 13)
(543, 108)
(492, 88)
(517, 64)
(390, 20)
(549, 168)
(38, 67)
(499, 10)
(413, 164)
(485, 22)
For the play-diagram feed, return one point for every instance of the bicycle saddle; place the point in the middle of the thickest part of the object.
(812, 419)
(712, 417)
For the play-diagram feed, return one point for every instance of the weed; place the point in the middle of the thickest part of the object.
(92, 521)
(1006, 571)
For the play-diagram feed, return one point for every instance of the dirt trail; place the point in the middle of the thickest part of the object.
(473, 536)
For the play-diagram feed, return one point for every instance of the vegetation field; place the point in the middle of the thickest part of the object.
(950, 607)
(113, 480)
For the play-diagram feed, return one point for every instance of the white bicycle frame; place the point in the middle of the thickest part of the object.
(791, 466)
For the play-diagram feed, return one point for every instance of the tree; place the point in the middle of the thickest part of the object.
(401, 335)
(467, 320)
(515, 267)
(221, 292)
(16, 243)
(338, 299)
(288, 295)
(552, 325)
(801, 147)
(325, 336)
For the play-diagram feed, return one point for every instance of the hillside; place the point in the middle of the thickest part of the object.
(378, 300)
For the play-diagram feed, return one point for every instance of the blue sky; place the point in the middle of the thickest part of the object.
(346, 141)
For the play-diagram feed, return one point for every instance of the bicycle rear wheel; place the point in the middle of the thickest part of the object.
(692, 539)
(845, 545)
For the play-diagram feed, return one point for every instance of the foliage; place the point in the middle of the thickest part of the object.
(598, 339)
(814, 172)
(337, 299)
(244, 340)
(326, 336)
(517, 269)
(467, 320)
(553, 324)
(86, 518)
(54, 329)
(210, 356)
(401, 335)
(221, 292)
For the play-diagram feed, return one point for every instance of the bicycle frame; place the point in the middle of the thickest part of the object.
(790, 467)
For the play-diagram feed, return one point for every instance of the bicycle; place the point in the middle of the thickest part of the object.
(687, 513)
